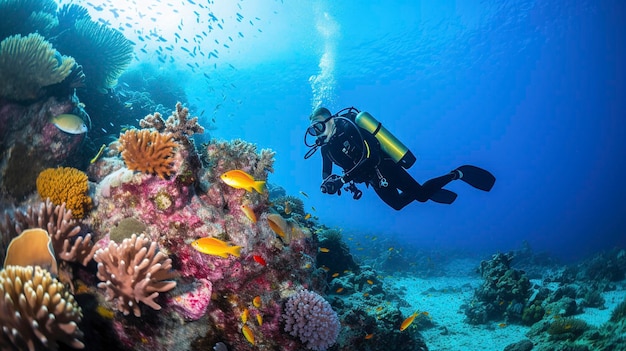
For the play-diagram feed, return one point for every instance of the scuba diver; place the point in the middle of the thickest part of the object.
(368, 153)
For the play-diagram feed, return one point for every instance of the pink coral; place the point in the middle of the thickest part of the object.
(133, 272)
(310, 317)
(192, 305)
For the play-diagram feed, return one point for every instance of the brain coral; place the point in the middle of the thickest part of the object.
(148, 152)
(36, 311)
(310, 317)
(65, 185)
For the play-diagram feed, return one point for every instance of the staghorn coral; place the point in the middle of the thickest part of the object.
(309, 317)
(36, 312)
(133, 272)
(148, 152)
(65, 185)
(114, 51)
(61, 227)
(28, 64)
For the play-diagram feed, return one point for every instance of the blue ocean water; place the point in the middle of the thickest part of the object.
(530, 90)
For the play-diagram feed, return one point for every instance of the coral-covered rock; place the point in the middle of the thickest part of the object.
(66, 185)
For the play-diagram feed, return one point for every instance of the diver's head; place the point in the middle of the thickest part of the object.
(322, 125)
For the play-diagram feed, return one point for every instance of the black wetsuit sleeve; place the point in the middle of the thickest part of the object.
(370, 160)
(327, 164)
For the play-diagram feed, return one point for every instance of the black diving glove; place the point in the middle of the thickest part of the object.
(332, 184)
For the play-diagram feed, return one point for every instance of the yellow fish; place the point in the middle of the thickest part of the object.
(257, 301)
(259, 319)
(308, 215)
(323, 249)
(247, 210)
(247, 333)
(241, 180)
(69, 123)
(215, 247)
(244, 316)
(407, 321)
(95, 158)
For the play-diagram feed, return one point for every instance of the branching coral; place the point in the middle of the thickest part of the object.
(133, 272)
(36, 312)
(178, 124)
(27, 64)
(309, 317)
(66, 185)
(62, 228)
(224, 156)
(113, 51)
(148, 152)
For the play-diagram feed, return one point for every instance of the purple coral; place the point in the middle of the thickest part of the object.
(310, 317)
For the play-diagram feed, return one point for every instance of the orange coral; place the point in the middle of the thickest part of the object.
(65, 185)
(148, 152)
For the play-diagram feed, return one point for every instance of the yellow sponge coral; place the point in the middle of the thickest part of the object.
(65, 184)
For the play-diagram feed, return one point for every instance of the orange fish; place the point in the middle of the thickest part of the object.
(247, 333)
(257, 301)
(407, 321)
(370, 282)
(502, 325)
(307, 216)
(323, 249)
(335, 275)
(339, 290)
(215, 247)
(258, 259)
(259, 319)
(244, 316)
(249, 212)
(239, 179)
(369, 336)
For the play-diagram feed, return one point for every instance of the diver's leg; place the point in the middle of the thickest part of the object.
(392, 197)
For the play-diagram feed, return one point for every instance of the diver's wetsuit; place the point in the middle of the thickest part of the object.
(346, 149)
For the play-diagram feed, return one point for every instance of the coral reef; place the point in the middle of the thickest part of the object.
(567, 328)
(28, 64)
(133, 272)
(310, 318)
(66, 185)
(223, 156)
(504, 291)
(148, 152)
(36, 311)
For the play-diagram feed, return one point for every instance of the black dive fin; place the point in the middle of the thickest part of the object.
(443, 196)
(477, 177)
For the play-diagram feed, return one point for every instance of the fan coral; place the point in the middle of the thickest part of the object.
(310, 317)
(133, 272)
(27, 64)
(114, 51)
(61, 227)
(65, 185)
(148, 152)
(36, 311)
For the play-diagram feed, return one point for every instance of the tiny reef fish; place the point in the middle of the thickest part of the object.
(407, 322)
(247, 210)
(239, 179)
(215, 247)
(244, 315)
(259, 319)
(257, 301)
(95, 158)
(247, 333)
(260, 260)
(323, 249)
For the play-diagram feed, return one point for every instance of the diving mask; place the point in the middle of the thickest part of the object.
(318, 128)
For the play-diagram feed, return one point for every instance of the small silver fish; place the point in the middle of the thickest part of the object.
(69, 123)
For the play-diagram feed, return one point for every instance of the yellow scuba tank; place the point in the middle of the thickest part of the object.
(389, 143)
